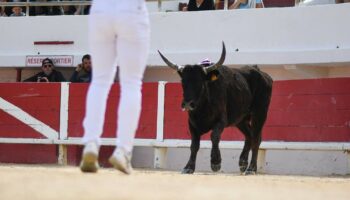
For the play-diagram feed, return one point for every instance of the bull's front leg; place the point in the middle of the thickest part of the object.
(191, 164)
(215, 151)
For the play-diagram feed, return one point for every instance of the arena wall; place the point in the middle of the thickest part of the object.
(42, 123)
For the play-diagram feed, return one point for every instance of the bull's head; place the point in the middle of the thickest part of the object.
(194, 79)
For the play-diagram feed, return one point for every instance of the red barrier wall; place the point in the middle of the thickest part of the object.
(77, 97)
(316, 110)
(42, 101)
(148, 120)
(310, 110)
(28, 153)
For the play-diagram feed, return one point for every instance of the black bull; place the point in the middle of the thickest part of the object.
(217, 97)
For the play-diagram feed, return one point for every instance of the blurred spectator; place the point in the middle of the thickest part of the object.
(197, 5)
(82, 73)
(244, 4)
(75, 10)
(219, 4)
(82, 10)
(45, 10)
(239, 4)
(182, 6)
(69, 10)
(320, 2)
(2, 12)
(5, 10)
(314, 2)
(342, 1)
(48, 73)
(17, 11)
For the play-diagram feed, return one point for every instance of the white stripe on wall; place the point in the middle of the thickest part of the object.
(27, 119)
(64, 110)
(160, 110)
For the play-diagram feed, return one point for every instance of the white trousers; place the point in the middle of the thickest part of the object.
(119, 34)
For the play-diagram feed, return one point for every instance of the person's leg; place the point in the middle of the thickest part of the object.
(102, 48)
(132, 48)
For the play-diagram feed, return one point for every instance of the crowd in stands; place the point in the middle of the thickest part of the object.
(192, 5)
(197, 5)
(200, 5)
(48, 73)
(342, 1)
(15, 11)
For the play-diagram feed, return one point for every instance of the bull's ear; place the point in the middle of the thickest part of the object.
(213, 76)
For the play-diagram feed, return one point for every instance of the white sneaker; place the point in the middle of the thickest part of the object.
(121, 160)
(89, 161)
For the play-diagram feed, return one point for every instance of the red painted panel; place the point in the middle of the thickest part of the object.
(40, 100)
(22, 90)
(28, 153)
(74, 154)
(312, 86)
(175, 120)
(309, 118)
(324, 102)
(19, 131)
(148, 119)
(300, 110)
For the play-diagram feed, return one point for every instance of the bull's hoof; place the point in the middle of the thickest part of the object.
(243, 165)
(187, 171)
(242, 169)
(215, 167)
(249, 172)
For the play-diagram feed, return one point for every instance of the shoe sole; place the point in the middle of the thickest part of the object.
(116, 164)
(88, 163)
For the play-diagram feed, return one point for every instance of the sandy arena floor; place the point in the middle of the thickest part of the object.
(31, 182)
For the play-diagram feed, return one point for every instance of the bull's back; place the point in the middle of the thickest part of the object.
(260, 84)
(238, 95)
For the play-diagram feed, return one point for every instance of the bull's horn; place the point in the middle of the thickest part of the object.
(219, 63)
(170, 64)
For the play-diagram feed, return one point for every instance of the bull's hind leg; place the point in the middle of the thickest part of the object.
(258, 121)
(255, 148)
(191, 164)
(245, 128)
